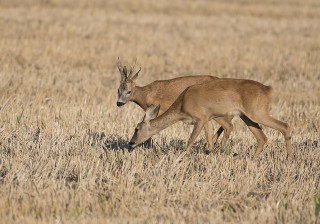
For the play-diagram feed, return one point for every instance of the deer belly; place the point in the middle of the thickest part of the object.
(189, 121)
(234, 113)
(223, 111)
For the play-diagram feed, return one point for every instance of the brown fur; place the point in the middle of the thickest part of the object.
(164, 93)
(218, 99)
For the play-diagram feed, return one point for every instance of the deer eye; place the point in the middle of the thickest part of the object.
(129, 92)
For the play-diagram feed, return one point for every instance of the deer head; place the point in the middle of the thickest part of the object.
(127, 83)
(143, 131)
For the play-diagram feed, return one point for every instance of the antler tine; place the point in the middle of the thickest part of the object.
(119, 65)
(122, 70)
(132, 67)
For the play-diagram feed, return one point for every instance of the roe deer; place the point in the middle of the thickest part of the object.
(162, 93)
(223, 97)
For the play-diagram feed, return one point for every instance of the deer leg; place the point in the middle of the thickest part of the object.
(195, 133)
(278, 125)
(209, 131)
(257, 132)
(227, 127)
(221, 129)
(217, 135)
(148, 143)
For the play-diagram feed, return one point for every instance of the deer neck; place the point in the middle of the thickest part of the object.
(165, 120)
(140, 97)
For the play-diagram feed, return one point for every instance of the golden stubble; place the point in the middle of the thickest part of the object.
(61, 134)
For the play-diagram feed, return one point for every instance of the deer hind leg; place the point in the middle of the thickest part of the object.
(257, 132)
(278, 125)
(195, 133)
(227, 126)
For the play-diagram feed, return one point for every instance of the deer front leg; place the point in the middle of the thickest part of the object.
(227, 126)
(209, 131)
(217, 135)
(148, 143)
(225, 123)
(195, 133)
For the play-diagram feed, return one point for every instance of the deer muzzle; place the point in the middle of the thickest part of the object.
(119, 104)
(131, 146)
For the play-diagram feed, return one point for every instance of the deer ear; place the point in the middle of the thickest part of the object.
(135, 77)
(123, 77)
(151, 112)
(125, 71)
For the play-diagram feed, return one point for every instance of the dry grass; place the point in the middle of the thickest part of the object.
(61, 134)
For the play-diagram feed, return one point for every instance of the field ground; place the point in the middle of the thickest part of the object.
(62, 136)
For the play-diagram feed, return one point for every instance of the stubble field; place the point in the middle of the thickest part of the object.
(63, 156)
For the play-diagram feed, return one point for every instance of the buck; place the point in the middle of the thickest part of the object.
(163, 93)
(216, 99)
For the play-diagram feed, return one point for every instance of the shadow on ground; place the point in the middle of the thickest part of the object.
(115, 143)
(107, 142)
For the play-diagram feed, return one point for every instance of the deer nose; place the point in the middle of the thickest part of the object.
(119, 104)
(131, 146)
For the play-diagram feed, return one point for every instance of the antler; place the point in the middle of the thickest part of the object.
(123, 71)
(119, 65)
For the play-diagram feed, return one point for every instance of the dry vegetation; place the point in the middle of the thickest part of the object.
(62, 136)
